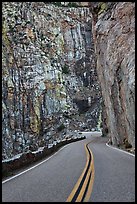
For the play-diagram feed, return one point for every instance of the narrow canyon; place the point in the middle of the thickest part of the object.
(67, 67)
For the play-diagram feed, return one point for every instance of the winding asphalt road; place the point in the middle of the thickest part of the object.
(54, 179)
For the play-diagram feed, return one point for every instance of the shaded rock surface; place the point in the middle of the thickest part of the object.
(114, 36)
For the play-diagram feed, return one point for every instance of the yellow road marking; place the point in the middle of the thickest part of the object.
(79, 198)
(91, 169)
(79, 180)
(88, 195)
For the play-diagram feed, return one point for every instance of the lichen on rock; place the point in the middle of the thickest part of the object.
(46, 50)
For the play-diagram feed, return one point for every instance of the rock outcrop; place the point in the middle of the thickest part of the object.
(114, 36)
(49, 80)
(55, 58)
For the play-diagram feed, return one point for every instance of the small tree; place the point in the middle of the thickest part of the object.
(61, 127)
(65, 69)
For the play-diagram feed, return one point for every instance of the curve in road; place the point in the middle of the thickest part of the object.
(82, 190)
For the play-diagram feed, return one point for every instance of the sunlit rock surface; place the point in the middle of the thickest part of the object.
(49, 81)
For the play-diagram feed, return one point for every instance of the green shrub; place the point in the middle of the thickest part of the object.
(65, 69)
(72, 4)
(61, 127)
(56, 3)
(102, 7)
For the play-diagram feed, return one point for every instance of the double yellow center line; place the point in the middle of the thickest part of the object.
(83, 188)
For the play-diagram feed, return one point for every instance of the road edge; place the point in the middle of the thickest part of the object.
(120, 150)
(39, 163)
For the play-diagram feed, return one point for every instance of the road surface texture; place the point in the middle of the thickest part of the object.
(55, 179)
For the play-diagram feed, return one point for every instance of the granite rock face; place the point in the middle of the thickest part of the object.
(49, 80)
(53, 55)
(114, 36)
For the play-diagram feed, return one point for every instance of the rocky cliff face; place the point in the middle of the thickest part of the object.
(114, 37)
(49, 80)
(50, 52)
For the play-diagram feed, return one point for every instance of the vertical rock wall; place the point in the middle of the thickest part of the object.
(114, 37)
(48, 72)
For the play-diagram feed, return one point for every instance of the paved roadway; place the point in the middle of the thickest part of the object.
(54, 179)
